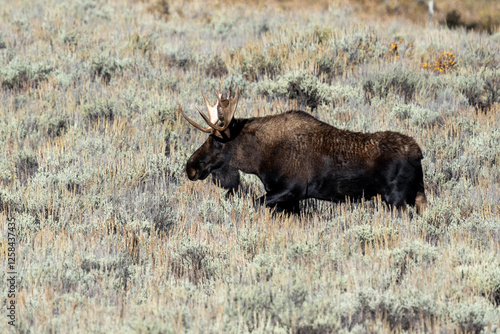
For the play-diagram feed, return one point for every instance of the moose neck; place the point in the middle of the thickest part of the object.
(245, 147)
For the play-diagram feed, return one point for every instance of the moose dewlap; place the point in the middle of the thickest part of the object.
(296, 156)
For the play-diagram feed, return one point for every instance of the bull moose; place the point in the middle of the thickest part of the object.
(297, 156)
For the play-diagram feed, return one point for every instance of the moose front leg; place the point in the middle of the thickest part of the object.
(285, 199)
(292, 207)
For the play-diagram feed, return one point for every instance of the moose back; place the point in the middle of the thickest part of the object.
(296, 156)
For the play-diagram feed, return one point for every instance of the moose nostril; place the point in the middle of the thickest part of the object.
(191, 173)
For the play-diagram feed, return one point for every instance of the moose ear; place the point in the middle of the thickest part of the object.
(224, 135)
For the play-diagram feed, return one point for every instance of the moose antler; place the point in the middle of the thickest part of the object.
(212, 113)
(212, 110)
(227, 107)
(193, 123)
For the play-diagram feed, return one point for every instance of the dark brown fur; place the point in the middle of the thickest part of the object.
(297, 156)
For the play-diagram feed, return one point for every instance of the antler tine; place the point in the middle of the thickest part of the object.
(230, 110)
(193, 123)
(212, 125)
(212, 110)
(227, 112)
(219, 93)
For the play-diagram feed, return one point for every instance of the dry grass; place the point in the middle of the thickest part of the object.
(112, 237)
(476, 15)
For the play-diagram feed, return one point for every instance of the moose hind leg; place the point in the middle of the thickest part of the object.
(406, 186)
(416, 192)
(397, 187)
(420, 198)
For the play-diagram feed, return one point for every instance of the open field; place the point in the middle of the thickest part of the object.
(113, 237)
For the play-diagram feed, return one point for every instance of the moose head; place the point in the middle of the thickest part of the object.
(212, 156)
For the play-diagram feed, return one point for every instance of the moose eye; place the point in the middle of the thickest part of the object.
(218, 144)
